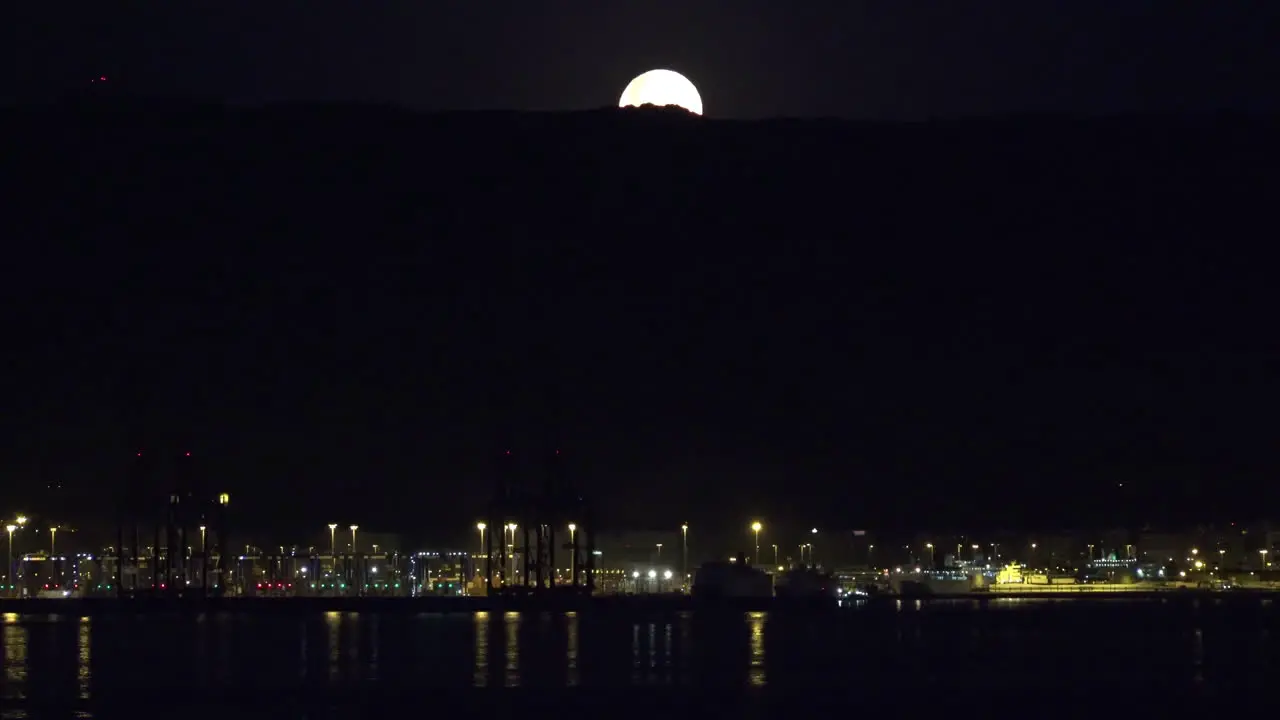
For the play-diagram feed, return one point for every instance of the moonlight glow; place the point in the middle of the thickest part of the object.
(661, 88)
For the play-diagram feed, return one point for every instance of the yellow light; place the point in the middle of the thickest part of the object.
(756, 526)
(481, 526)
(572, 527)
(22, 519)
(224, 499)
(333, 526)
(662, 88)
(685, 527)
(10, 528)
(354, 528)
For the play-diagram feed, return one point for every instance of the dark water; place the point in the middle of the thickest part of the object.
(345, 665)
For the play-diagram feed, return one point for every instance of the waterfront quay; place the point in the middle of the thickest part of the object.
(639, 604)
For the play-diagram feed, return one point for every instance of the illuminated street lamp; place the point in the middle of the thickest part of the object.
(333, 543)
(930, 548)
(511, 548)
(8, 564)
(756, 527)
(53, 540)
(354, 528)
(812, 562)
(659, 553)
(684, 553)
(21, 520)
(483, 550)
(1263, 552)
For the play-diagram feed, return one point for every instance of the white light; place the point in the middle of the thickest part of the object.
(653, 574)
(667, 575)
(662, 88)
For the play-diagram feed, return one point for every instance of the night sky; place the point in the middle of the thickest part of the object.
(751, 58)
(804, 375)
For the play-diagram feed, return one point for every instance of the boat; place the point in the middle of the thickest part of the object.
(732, 580)
(805, 582)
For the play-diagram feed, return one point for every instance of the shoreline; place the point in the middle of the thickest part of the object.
(623, 603)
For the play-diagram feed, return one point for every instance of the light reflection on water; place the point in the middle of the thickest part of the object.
(83, 673)
(511, 621)
(571, 651)
(755, 621)
(333, 626)
(15, 658)
(481, 630)
(81, 658)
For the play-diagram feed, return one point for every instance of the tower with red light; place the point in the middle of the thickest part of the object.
(535, 514)
(173, 549)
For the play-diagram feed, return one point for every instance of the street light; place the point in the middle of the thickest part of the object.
(53, 540)
(573, 532)
(354, 528)
(812, 562)
(511, 549)
(481, 527)
(21, 520)
(8, 558)
(930, 547)
(684, 553)
(333, 544)
(659, 553)
(756, 527)
(203, 530)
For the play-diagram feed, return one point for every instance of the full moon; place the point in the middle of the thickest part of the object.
(662, 87)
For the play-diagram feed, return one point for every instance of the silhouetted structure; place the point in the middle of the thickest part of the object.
(536, 517)
(186, 533)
